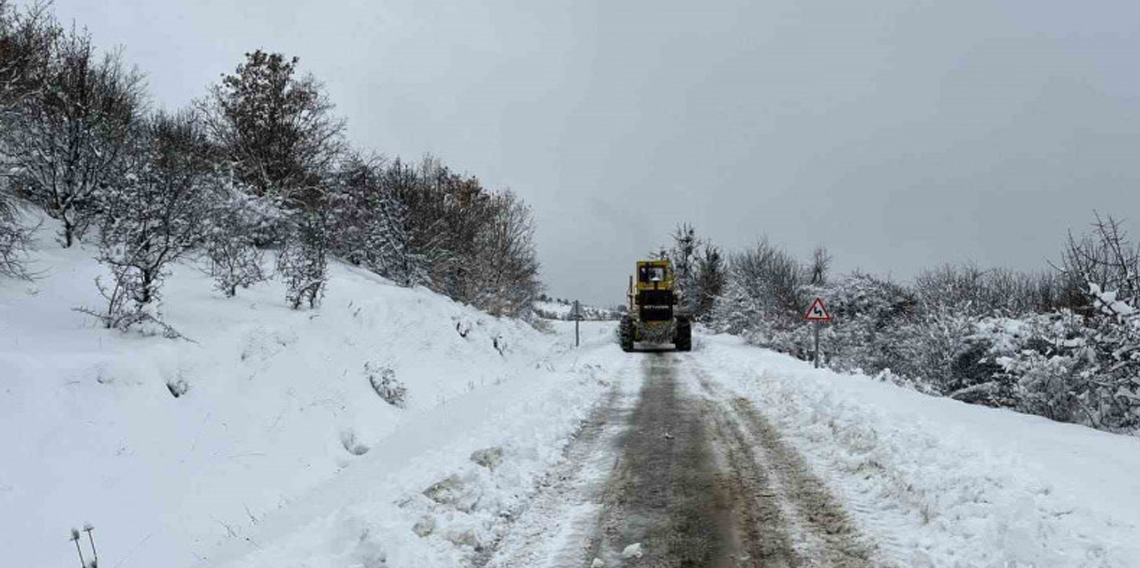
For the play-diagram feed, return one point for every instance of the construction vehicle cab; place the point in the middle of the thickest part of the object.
(653, 302)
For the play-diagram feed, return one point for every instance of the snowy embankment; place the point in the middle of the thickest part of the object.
(278, 426)
(939, 483)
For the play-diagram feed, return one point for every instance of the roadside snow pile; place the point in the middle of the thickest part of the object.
(173, 448)
(453, 479)
(941, 483)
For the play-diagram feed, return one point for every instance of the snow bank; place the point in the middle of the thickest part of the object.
(274, 405)
(942, 483)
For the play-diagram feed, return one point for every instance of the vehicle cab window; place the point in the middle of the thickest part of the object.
(652, 274)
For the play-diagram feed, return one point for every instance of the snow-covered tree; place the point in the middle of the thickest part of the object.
(282, 140)
(355, 202)
(710, 280)
(27, 40)
(303, 261)
(372, 222)
(683, 255)
(277, 129)
(506, 275)
(15, 237)
(152, 216)
(66, 139)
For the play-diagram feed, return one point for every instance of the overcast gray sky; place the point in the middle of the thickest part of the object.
(898, 133)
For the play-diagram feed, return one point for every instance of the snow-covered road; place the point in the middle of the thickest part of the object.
(690, 475)
(727, 456)
(735, 456)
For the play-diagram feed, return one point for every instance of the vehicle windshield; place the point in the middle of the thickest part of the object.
(652, 274)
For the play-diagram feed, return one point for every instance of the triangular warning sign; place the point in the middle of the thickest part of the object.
(817, 312)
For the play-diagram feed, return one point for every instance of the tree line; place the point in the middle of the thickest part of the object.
(257, 167)
(1062, 342)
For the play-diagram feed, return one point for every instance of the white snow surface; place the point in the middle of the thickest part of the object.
(280, 454)
(937, 482)
(264, 441)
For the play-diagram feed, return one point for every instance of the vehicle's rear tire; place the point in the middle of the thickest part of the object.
(683, 339)
(626, 330)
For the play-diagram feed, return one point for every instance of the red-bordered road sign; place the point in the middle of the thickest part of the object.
(817, 312)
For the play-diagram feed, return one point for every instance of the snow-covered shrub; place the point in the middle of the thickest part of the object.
(383, 381)
(230, 247)
(1110, 390)
(303, 263)
(1064, 345)
(931, 345)
(119, 311)
(1000, 352)
(871, 321)
(1064, 366)
(152, 217)
(15, 239)
(764, 295)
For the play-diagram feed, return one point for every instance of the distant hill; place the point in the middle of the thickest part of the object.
(557, 309)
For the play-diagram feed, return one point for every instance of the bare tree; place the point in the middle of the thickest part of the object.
(1106, 258)
(820, 265)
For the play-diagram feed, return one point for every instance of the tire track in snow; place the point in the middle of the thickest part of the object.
(552, 531)
(693, 474)
(666, 493)
(821, 530)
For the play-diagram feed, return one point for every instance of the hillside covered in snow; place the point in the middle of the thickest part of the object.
(172, 446)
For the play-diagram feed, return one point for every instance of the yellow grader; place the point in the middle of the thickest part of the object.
(653, 316)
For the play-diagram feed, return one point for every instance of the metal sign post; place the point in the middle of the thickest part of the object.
(815, 332)
(576, 313)
(817, 314)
